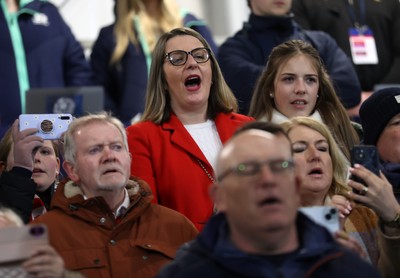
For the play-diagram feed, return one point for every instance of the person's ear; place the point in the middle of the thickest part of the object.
(218, 197)
(2, 166)
(70, 169)
(58, 166)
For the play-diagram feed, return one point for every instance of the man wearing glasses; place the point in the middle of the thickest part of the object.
(258, 231)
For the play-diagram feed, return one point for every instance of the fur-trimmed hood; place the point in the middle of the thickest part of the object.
(133, 186)
(69, 198)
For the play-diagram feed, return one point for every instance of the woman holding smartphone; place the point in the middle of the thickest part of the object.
(322, 170)
(29, 169)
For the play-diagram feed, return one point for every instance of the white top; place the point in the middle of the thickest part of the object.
(278, 117)
(207, 138)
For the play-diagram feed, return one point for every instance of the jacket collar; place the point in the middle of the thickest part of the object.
(69, 199)
(276, 23)
(214, 240)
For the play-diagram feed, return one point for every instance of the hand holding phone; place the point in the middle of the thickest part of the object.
(367, 156)
(50, 126)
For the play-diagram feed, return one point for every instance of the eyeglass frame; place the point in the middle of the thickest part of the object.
(258, 164)
(167, 56)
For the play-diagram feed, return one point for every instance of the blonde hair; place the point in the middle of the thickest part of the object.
(328, 104)
(339, 161)
(167, 17)
(157, 108)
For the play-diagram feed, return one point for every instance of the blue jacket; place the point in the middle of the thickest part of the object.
(125, 84)
(213, 255)
(243, 57)
(37, 49)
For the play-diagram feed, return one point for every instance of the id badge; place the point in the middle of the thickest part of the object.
(363, 47)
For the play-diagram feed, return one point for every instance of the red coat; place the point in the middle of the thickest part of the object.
(166, 157)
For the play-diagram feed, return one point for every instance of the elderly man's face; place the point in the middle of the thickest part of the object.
(389, 141)
(102, 164)
(265, 201)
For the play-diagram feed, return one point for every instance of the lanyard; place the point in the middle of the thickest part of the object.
(18, 47)
(350, 7)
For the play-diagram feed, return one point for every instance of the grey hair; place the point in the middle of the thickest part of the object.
(102, 117)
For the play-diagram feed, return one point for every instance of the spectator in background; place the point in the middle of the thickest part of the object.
(37, 49)
(101, 221)
(189, 114)
(323, 172)
(29, 169)
(121, 55)
(295, 83)
(258, 231)
(380, 119)
(338, 17)
(244, 56)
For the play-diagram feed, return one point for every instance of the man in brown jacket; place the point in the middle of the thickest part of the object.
(102, 222)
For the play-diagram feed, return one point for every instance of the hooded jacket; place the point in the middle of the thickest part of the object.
(212, 254)
(90, 240)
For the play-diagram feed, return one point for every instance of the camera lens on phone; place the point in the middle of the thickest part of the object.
(46, 126)
(36, 231)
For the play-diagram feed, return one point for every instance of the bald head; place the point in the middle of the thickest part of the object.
(257, 188)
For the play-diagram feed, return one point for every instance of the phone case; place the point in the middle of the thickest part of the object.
(50, 126)
(367, 156)
(16, 242)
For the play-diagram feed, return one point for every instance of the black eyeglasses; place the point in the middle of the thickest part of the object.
(179, 57)
(253, 168)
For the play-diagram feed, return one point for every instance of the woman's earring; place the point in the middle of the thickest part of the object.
(271, 95)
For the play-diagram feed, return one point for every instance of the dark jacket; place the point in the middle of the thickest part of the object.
(17, 191)
(212, 254)
(125, 83)
(54, 58)
(90, 240)
(243, 57)
(383, 17)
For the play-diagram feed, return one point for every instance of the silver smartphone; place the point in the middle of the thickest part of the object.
(16, 242)
(326, 216)
(50, 126)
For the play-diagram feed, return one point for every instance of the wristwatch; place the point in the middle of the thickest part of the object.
(395, 223)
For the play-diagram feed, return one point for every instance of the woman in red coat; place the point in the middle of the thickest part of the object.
(189, 114)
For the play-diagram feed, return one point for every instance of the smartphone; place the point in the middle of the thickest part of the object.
(17, 242)
(50, 126)
(326, 216)
(366, 155)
